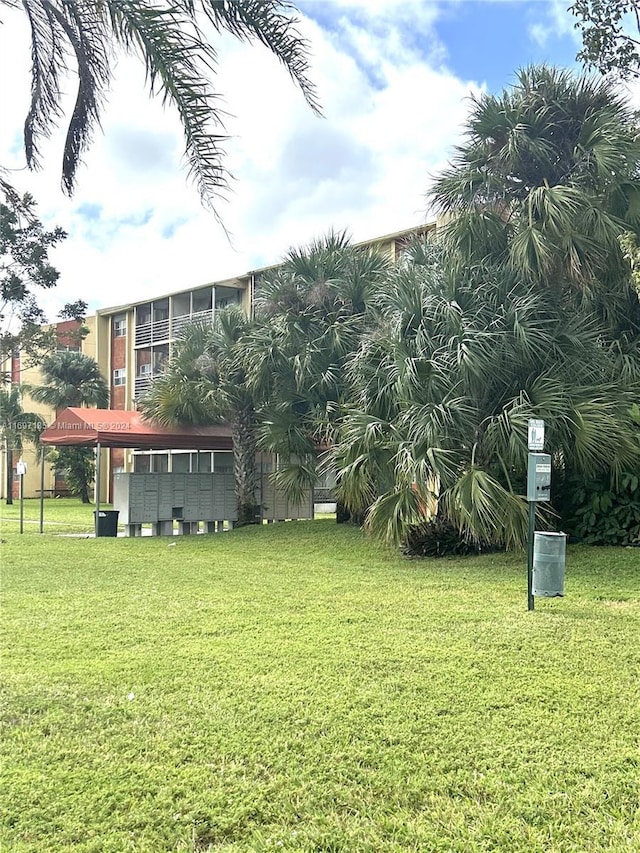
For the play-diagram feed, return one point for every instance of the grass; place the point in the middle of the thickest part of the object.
(61, 515)
(297, 688)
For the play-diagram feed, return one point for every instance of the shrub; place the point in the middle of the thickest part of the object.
(439, 538)
(604, 513)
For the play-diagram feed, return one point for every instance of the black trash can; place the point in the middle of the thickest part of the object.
(107, 522)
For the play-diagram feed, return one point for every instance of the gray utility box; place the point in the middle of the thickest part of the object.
(539, 477)
(549, 550)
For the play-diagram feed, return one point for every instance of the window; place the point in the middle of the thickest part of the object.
(141, 463)
(120, 376)
(180, 462)
(160, 463)
(119, 327)
(223, 463)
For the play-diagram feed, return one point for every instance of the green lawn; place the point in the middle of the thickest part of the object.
(61, 515)
(294, 687)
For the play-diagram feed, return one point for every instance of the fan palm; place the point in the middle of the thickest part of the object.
(546, 183)
(170, 37)
(71, 379)
(314, 309)
(446, 384)
(205, 381)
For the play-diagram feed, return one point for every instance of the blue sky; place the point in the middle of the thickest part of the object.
(493, 39)
(479, 39)
(394, 77)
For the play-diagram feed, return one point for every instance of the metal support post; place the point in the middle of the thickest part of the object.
(42, 490)
(97, 488)
(530, 539)
(21, 503)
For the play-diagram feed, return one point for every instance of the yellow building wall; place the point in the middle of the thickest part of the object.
(31, 483)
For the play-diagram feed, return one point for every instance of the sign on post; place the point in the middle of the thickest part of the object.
(535, 434)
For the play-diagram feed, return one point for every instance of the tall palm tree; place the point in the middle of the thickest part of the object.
(313, 309)
(16, 427)
(447, 382)
(72, 379)
(205, 381)
(170, 36)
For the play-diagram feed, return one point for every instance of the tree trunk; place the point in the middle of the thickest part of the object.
(243, 428)
(346, 516)
(9, 483)
(84, 493)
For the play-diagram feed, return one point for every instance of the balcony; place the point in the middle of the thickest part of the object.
(162, 331)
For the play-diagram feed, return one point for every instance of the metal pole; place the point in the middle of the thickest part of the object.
(21, 503)
(532, 527)
(42, 490)
(97, 488)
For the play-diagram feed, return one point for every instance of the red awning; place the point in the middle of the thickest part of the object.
(117, 428)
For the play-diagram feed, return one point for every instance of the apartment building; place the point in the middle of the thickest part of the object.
(131, 344)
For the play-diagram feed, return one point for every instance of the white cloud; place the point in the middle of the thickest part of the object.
(136, 228)
(558, 21)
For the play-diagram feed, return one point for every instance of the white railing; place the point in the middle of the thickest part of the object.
(143, 334)
(141, 385)
(178, 323)
(152, 333)
(165, 330)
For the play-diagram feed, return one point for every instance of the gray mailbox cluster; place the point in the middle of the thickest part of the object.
(161, 499)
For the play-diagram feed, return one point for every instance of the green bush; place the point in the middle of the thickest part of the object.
(438, 538)
(605, 513)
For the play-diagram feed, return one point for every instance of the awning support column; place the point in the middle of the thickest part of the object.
(97, 512)
(42, 489)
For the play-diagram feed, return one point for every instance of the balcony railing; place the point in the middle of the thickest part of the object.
(178, 323)
(141, 385)
(152, 333)
(162, 331)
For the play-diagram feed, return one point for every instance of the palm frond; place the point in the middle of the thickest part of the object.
(266, 23)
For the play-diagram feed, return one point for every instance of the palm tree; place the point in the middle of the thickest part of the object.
(313, 310)
(545, 184)
(16, 427)
(170, 37)
(446, 384)
(205, 381)
(72, 379)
